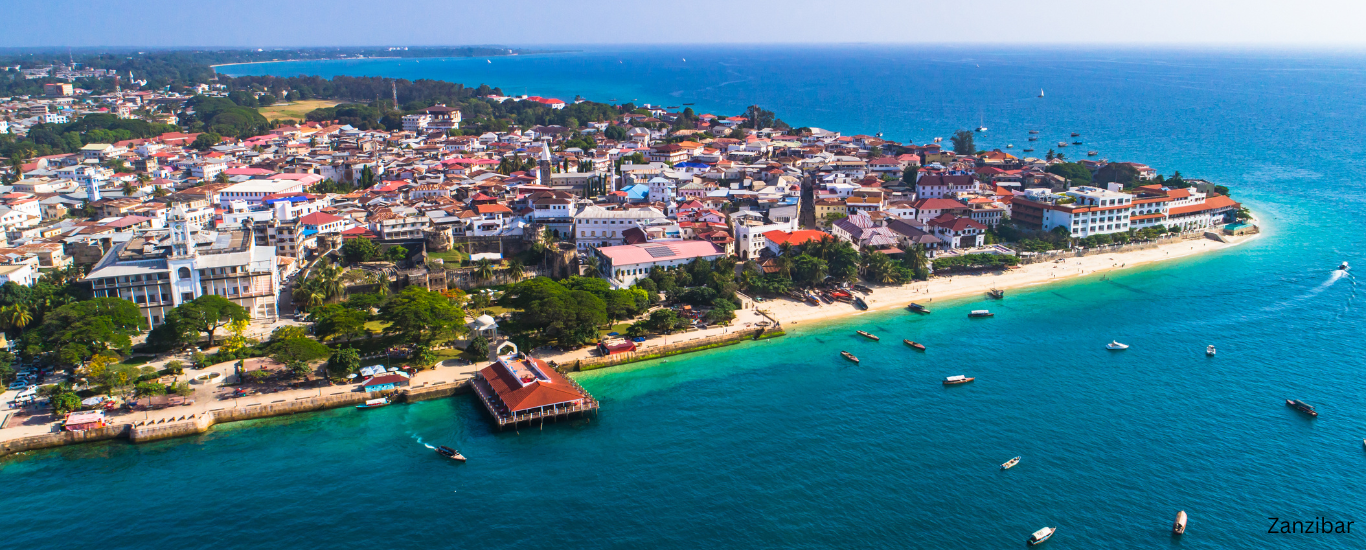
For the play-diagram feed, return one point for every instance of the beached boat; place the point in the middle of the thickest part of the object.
(374, 403)
(959, 379)
(996, 293)
(812, 299)
(825, 297)
(1179, 526)
(1010, 463)
(1209, 350)
(1042, 535)
(915, 345)
(450, 453)
(865, 334)
(859, 303)
(980, 313)
(848, 356)
(1302, 407)
(862, 288)
(1114, 345)
(918, 308)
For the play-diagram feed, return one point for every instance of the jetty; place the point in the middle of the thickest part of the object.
(518, 389)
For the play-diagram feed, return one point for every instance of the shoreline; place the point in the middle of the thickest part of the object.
(792, 313)
(216, 66)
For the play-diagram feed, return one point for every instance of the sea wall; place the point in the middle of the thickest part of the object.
(667, 350)
(194, 424)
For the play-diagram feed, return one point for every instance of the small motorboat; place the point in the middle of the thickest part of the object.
(865, 334)
(1077, 142)
(1343, 267)
(1209, 350)
(450, 453)
(1092, 153)
(1035, 131)
(996, 293)
(980, 313)
(848, 356)
(1075, 134)
(918, 308)
(959, 379)
(374, 403)
(1030, 150)
(915, 345)
(1179, 526)
(1062, 144)
(1302, 407)
(1114, 345)
(1010, 463)
(1033, 138)
(1042, 535)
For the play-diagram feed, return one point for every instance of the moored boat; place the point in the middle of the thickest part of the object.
(1302, 407)
(1209, 350)
(1092, 153)
(958, 379)
(374, 403)
(1010, 463)
(915, 345)
(1042, 535)
(980, 313)
(848, 356)
(865, 334)
(1114, 345)
(1179, 526)
(1075, 134)
(1077, 142)
(996, 293)
(918, 308)
(450, 453)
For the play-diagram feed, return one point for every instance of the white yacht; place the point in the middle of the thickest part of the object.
(1116, 346)
(1042, 535)
(1209, 350)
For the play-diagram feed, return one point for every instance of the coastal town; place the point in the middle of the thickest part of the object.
(171, 255)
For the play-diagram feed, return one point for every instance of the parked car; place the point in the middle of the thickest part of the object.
(18, 385)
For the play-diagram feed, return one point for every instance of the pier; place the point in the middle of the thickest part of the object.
(518, 388)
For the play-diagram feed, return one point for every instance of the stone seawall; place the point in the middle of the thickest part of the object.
(669, 350)
(189, 425)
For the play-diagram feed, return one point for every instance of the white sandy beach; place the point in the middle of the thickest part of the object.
(792, 313)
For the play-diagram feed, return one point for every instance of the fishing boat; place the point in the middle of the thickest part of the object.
(1179, 526)
(862, 288)
(1343, 267)
(812, 299)
(1077, 142)
(859, 303)
(980, 313)
(450, 453)
(690, 104)
(1010, 463)
(1033, 138)
(1209, 350)
(1092, 153)
(1062, 144)
(1075, 134)
(918, 308)
(1029, 150)
(958, 379)
(848, 356)
(996, 293)
(374, 403)
(825, 297)
(915, 345)
(865, 334)
(1042, 535)
(1302, 407)
(1114, 345)
(1036, 131)
(1010, 146)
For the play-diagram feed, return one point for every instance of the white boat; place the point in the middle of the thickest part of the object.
(1115, 345)
(1010, 463)
(1040, 92)
(1343, 267)
(1179, 526)
(1209, 350)
(1042, 535)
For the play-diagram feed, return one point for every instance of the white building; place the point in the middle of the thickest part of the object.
(623, 265)
(749, 235)
(595, 226)
(251, 191)
(416, 123)
(1084, 211)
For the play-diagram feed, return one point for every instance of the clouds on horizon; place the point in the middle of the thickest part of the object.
(258, 23)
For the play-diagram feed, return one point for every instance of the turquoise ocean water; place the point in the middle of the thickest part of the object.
(781, 444)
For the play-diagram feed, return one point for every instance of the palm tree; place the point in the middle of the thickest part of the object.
(129, 189)
(381, 284)
(19, 317)
(516, 269)
(590, 267)
(483, 270)
(159, 192)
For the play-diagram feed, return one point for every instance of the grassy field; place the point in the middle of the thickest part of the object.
(295, 110)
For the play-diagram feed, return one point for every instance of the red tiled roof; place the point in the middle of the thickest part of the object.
(538, 393)
(795, 237)
(1211, 203)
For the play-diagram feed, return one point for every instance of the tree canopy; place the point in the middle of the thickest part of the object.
(205, 314)
(420, 315)
(77, 331)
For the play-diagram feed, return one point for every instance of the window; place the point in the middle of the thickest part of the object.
(183, 273)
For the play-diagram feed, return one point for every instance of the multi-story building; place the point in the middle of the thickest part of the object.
(161, 270)
(1083, 211)
(596, 226)
(749, 234)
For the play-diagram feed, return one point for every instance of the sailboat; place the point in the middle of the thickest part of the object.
(1040, 92)
(982, 125)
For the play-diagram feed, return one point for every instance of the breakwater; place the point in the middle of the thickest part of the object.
(677, 348)
(198, 423)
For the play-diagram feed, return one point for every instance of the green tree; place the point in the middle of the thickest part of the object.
(1075, 173)
(65, 402)
(396, 254)
(205, 140)
(478, 347)
(808, 270)
(342, 363)
(420, 315)
(206, 314)
(337, 320)
(302, 350)
(1117, 172)
(77, 331)
(483, 269)
(359, 249)
(665, 321)
(150, 388)
(963, 142)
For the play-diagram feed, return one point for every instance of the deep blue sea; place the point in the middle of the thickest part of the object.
(781, 444)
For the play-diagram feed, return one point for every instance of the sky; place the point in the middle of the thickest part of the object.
(274, 23)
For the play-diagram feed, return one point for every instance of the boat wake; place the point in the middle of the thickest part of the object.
(418, 438)
(1336, 276)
